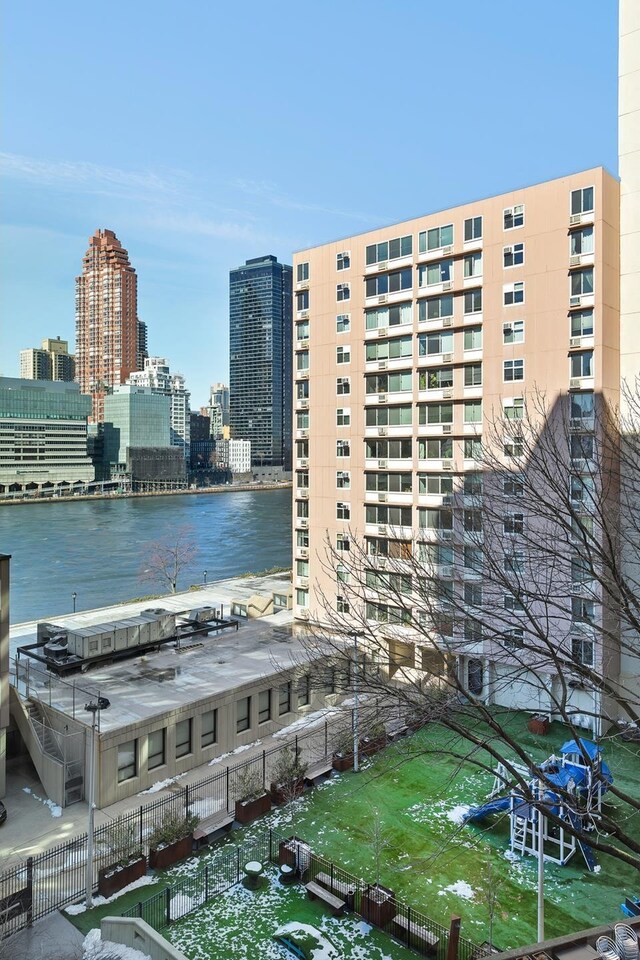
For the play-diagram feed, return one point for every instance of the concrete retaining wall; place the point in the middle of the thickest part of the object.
(140, 936)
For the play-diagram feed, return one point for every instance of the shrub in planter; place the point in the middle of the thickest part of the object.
(343, 754)
(172, 840)
(114, 878)
(538, 724)
(375, 739)
(125, 855)
(254, 800)
(378, 905)
(288, 777)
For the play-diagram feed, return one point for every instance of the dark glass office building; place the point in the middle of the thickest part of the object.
(261, 335)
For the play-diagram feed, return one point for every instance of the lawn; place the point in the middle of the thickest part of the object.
(402, 812)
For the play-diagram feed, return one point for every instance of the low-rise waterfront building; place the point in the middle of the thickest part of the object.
(51, 362)
(235, 455)
(43, 435)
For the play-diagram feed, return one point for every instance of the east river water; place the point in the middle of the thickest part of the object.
(97, 548)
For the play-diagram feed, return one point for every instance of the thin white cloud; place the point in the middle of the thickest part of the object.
(203, 226)
(265, 190)
(83, 174)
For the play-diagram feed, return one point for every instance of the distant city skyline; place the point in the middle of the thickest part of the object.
(194, 183)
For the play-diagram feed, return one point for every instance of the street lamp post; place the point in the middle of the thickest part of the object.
(356, 730)
(74, 597)
(94, 708)
(204, 576)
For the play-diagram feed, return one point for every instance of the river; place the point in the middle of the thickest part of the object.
(97, 549)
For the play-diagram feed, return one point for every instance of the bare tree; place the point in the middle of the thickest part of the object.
(168, 558)
(520, 585)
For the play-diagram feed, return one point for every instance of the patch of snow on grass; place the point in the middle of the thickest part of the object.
(95, 948)
(161, 784)
(457, 814)
(461, 888)
(77, 908)
(182, 904)
(56, 810)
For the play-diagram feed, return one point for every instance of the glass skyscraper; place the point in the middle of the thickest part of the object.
(260, 319)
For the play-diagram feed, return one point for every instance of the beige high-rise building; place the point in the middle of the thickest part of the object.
(410, 340)
(51, 362)
(108, 333)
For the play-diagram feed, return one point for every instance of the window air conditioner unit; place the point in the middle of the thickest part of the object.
(303, 463)
(447, 464)
(303, 613)
(575, 342)
(303, 314)
(303, 433)
(302, 345)
(382, 528)
(382, 331)
(574, 383)
(447, 358)
(575, 261)
(303, 522)
(447, 250)
(446, 534)
(575, 219)
(303, 582)
(382, 464)
(445, 571)
(304, 553)
(382, 431)
(383, 298)
(447, 285)
(447, 321)
(447, 393)
(447, 428)
(302, 374)
(382, 498)
(303, 493)
(382, 398)
(447, 500)
(382, 265)
(575, 301)
(382, 364)
(382, 563)
(508, 249)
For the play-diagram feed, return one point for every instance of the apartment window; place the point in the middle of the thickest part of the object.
(473, 229)
(581, 446)
(513, 370)
(389, 282)
(473, 338)
(582, 323)
(302, 330)
(393, 349)
(343, 544)
(435, 449)
(302, 420)
(302, 360)
(472, 630)
(582, 282)
(343, 323)
(472, 521)
(437, 484)
(513, 523)
(389, 250)
(513, 332)
(439, 378)
(302, 597)
(513, 255)
(343, 416)
(513, 447)
(582, 200)
(389, 416)
(472, 484)
(302, 568)
(394, 482)
(302, 538)
(398, 314)
(473, 265)
(208, 728)
(343, 260)
(473, 375)
(302, 300)
(343, 448)
(435, 308)
(513, 293)
(582, 407)
(436, 554)
(513, 409)
(243, 714)
(389, 383)
(472, 448)
(430, 344)
(342, 574)
(435, 238)
(127, 760)
(472, 558)
(343, 291)
(514, 561)
(302, 390)
(581, 241)
(473, 411)
(264, 706)
(472, 301)
(435, 413)
(431, 273)
(582, 650)
(512, 603)
(302, 272)
(389, 449)
(513, 486)
(582, 364)
(513, 638)
(393, 516)
(304, 691)
(433, 519)
(284, 699)
(343, 479)
(514, 216)
(343, 354)
(302, 479)
(183, 738)
(156, 749)
(343, 510)
(343, 386)
(581, 488)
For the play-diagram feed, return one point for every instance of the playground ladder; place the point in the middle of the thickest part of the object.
(519, 834)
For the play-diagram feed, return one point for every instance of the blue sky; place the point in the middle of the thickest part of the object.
(205, 133)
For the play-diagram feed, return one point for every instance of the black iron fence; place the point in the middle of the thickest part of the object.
(376, 904)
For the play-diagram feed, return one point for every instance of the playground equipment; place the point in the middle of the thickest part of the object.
(582, 783)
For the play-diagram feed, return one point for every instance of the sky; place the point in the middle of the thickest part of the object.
(206, 133)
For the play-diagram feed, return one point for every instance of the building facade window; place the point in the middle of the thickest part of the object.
(389, 250)
(435, 308)
(513, 370)
(432, 273)
(343, 291)
(264, 706)
(156, 749)
(284, 699)
(243, 714)
(513, 408)
(302, 300)
(513, 332)
(513, 217)
(472, 301)
(343, 354)
(127, 760)
(581, 282)
(513, 293)
(582, 200)
(513, 255)
(342, 543)
(389, 282)
(343, 386)
(472, 265)
(472, 339)
(581, 364)
(343, 479)
(399, 314)
(472, 229)
(435, 238)
(302, 272)
(343, 416)
(343, 510)
(343, 323)
(183, 737)
(343, 260)
(581, 242)
(473, 375)
(208, 728)
(343, 448)
(582, 323)
(304, 691)
(473, 411)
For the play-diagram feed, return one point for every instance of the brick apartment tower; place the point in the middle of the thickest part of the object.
(107, 326)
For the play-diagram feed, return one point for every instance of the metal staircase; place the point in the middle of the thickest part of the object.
(43, 731)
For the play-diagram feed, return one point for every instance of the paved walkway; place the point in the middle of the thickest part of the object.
(52, 938)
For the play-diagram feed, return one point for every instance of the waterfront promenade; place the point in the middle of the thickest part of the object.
(129, 495)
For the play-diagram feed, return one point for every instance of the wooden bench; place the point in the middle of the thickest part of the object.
(316, 892)
(317, 772)
(415, 934)
(211, 828)
(343, 889)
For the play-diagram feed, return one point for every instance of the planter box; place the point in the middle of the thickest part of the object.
(378, 905)
(280, 794)
(112, 879)
(369, 747)
(538, 725)
(295, 853)
(248, 810)
(342, 762)
(170, 853)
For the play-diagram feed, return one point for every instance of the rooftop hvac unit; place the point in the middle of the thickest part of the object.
(575, 342)
(447, 321)
(447, 428)
(447, 464)
(575, 261)
(575, 219)
(383, 298)
(447, 285)
(447, 358)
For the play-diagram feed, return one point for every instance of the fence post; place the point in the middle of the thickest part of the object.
(332, 876)
(186, 799)
(237, 864)
(206, 882)
(270, 845)
(140, 909)
(141, 820)
(30, 890)
(264, 769)
(326, 739)
(168, 904)
(227, 789)
(454, 938)
(409, 926)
